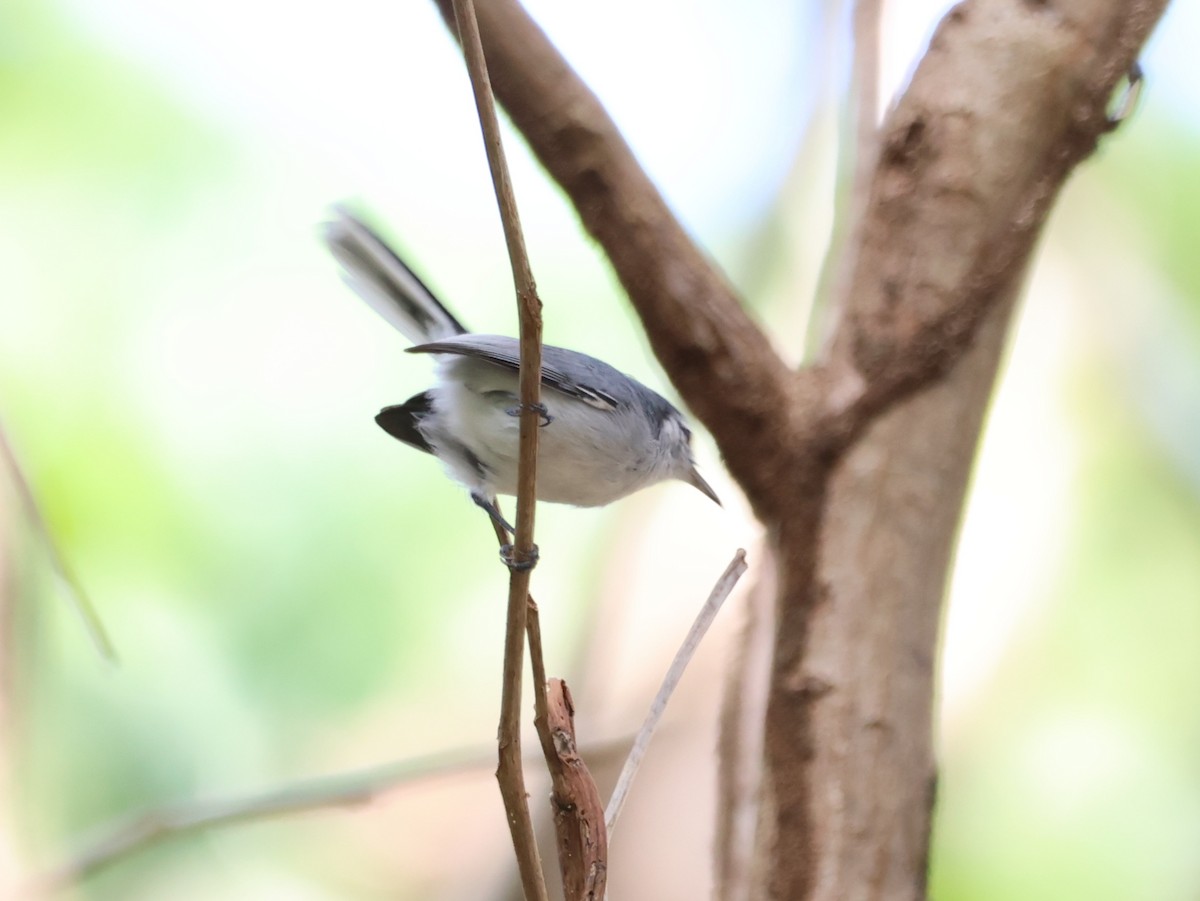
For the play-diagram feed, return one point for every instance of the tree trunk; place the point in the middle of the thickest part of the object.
(857, 464)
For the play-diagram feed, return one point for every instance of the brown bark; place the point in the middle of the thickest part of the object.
(578, 810)
(1009, 97)
(691, 314)
(521, 556)
(866, 678)
(857, 465)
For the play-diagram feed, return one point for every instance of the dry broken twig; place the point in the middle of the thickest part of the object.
(704, 619)
(740, 742)
(578, 811)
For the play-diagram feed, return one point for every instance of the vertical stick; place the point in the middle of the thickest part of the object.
(58, 559)
(508, 772)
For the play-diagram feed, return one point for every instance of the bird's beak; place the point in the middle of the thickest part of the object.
(697, 481)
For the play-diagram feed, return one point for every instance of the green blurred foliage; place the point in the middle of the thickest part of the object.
(99, 169)
(1076, 774)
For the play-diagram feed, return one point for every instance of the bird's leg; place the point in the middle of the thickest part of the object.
(509, 557)
(489, 506)
(506, 549)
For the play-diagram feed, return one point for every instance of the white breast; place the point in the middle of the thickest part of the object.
(586, 456)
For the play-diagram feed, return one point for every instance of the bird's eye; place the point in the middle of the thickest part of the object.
(687, 433)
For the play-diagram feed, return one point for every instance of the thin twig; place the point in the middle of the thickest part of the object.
(689, 309)
(858, 152)
(65, 575)
(864, 92)
(972, 157)
(537, 663)
(578, 811)
(509, 773)
(113, 842)
(740, 745)
(704, 619)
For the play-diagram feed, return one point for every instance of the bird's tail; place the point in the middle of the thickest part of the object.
(382, 279)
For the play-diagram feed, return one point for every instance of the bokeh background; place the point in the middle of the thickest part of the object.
(293, 594)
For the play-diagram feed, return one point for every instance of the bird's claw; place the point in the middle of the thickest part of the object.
(539, 409)
(508, 555)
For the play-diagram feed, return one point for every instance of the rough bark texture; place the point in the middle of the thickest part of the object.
(578, 810)
(857, 465)
(695, 322)
(1009, 97)
(869, 665)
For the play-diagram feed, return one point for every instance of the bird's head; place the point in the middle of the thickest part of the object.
(676, 443)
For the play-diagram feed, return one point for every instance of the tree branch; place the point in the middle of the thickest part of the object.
(858, 153)
(112, 842)
(856, 465)
(864, 86)
(720, 360)
(691, 643)
(1009, 97)
(70, 583)
(578, 811)
(522, 555)
(740, 746)
(115, 841)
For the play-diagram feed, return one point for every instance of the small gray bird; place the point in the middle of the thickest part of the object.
(604, 435)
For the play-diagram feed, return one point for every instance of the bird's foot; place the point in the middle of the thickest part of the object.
(508, 555)
(539, 409)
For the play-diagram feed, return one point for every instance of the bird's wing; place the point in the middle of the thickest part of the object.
(505, 352)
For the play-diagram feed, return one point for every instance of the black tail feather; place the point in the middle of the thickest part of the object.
(400, 421)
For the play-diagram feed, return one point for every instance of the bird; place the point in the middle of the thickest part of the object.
(604, 435)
